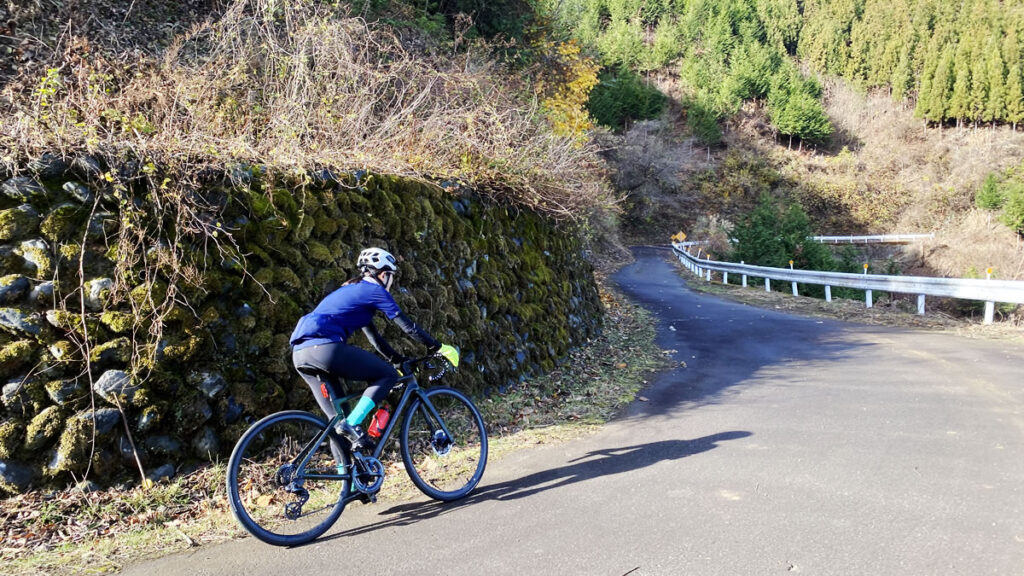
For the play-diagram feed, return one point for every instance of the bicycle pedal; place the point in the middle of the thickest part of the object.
(368, 498)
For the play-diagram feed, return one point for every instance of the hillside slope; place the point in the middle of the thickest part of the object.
(884, 172)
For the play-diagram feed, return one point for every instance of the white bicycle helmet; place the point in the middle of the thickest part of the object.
(378, 259)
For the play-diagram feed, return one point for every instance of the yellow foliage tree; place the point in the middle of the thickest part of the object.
(564, 86)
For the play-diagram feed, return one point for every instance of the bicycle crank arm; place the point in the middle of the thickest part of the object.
(367, 474)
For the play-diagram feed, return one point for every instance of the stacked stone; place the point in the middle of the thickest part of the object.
(511, 289)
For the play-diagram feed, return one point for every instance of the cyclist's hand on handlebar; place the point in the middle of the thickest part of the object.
(450, 353)
(397, 363)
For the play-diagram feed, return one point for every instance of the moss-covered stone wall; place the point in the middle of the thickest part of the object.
(188, 343)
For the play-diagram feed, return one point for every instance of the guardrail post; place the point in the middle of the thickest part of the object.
(867, 293)
(828, 293)
(725, 278)
(744, 277)
(709, 274)
(767, 284)
(990, 307)
(794, 283)
(920, 304)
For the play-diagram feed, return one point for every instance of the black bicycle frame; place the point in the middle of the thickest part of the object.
(412, 387)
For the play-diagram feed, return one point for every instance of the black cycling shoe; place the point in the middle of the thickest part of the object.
(360, 440)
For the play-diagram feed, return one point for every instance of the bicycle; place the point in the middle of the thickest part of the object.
(286, 485)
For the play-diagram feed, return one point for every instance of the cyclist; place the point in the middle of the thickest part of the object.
(320, 341)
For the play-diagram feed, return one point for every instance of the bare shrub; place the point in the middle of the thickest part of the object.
(300, 84)
(649, 163)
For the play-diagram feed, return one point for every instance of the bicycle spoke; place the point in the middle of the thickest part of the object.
(444, 445)
(272, 493)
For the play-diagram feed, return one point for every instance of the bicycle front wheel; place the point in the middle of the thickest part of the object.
(444, 444)
(272, 494)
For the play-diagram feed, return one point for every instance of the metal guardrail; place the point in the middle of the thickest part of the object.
(988, 291)
(876, 239)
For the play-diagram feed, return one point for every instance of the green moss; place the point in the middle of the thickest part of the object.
(42, 260)
(209, 315)
(118, 322)
(183, 348)
(264, 275)
(116, 351)
(70, 252)
(285, 277)
(73, 449)
(65, 320)
(17, 223)
(247, 323)
(16, 354)
(261, 396)
(317, 252)
(43, 428)
(179, 314)
(260, 204)
(301, 243)
(284, 312)
(262, 339)
(325, 226)
(303, 228)
(284, 202)
(145, 296)
(10, 438)
(62, 222)
(151, 415)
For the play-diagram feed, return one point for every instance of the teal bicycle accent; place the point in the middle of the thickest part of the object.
(291, 475)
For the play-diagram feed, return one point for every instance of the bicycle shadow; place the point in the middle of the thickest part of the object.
(598, 463)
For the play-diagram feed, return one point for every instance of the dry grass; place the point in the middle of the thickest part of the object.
(291, 84)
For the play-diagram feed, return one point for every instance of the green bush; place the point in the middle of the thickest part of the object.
(774, 233)
(621, 97)
(990, 197)
(703, 122)
(1013, 208)
(794, 106)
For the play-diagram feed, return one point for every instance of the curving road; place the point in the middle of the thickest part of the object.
(784, 445)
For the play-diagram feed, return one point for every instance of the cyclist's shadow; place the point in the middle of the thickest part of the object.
(591, 465)
(598, 463)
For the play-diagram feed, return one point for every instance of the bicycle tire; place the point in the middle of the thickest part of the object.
(259, 469)
(441, 469)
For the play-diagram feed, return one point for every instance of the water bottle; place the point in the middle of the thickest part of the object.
(379, 422)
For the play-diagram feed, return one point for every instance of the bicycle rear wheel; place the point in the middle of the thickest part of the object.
(271, 495)
(444, 444)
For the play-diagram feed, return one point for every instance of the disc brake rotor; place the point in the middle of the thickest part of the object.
(441, 443)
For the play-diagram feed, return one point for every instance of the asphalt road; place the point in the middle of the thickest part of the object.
(784, 445)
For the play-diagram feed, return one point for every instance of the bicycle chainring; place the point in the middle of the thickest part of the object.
(368, 474)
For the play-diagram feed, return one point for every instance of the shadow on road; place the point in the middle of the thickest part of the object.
(719, 347)
(594, 464)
